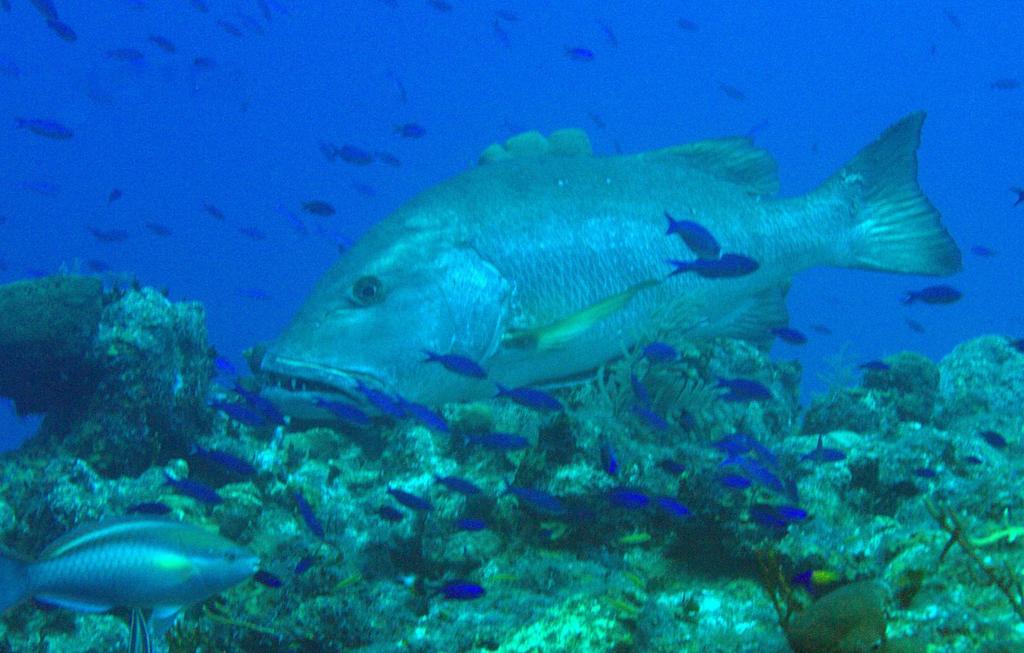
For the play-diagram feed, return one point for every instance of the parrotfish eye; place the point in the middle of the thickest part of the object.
(368, 291)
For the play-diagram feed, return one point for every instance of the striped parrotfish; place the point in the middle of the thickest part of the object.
(546, 261)
(146, 564)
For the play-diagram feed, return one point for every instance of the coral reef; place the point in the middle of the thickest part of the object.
(615, 565)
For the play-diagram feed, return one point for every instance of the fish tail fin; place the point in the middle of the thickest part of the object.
(895, 228)
(13, 582)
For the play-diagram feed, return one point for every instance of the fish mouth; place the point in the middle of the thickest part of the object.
(295, 385)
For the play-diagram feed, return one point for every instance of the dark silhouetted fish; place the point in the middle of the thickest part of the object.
(108, 235)
(743, 390)
(1006, 84)
(914, 325)
(940, 294)
(164, 44)
(822, 454)
(460, 485)
(538, 500)
(732, 92)
(660, 352)
(230, 28)
(266, 578)
(579, 54)
(213, 211)
(225, 460)
(1020, 195)
(46, 9)
(994, 438)
(411, 130)
(609, 33)
(46, 128)
(62, 30)
(354, 155)
(158, 229)
(115, 195)
(789, 335)
(687, 25)
(983, 251)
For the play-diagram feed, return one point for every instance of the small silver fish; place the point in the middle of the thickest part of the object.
(143, 563)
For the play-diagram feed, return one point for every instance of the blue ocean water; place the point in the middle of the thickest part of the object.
(240, 130)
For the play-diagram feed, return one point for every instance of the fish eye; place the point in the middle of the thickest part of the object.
(368, 291)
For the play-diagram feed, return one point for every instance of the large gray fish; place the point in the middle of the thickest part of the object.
(157, 565)
(545, 261)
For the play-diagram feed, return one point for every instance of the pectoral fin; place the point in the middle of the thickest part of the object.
(558, 334)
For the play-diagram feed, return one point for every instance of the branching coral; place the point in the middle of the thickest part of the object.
(1003, 578)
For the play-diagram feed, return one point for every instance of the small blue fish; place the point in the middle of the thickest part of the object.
(660, 352)
(354, 155)
(345, 412)
(194, 489)
(670, 466)
(579, 54)
(742, 390)
(767, 516)
(462, 590)
(164, 44)
(609, 463)
(499, 441)
(672, 507)
(629, 498)
(204, 63)
(460, 485)
(411, 501)
(994, 439)
(639, 390)
(725, 267)
(792, 514)
(425, 415)
(158, 229)
(932, 295)
(213, 211)
(149, 508)
(230, 28)
(470, 524)
(974, 460)
(822, 454)
(303, 565)
(411, 130)
(650, 417)
(757, 472)
(308, 515)
(266, 578)
(261, 404)
(380, 400)
(393, 515)
(457, 364)
(62, 30)
(925, 472)
(539, 500)
(734, 481)
(241, 413)
(983, 251)
(319, 207)
(697, 238)
(874, 366)
(228, 461)
(531, 398)
(108, 235)
(791, 336)
(224, 366)
(46, 128)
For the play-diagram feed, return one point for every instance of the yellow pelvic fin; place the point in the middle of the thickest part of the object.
(568, 328)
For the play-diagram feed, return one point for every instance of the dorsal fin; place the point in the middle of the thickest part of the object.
(533, 144)
(736, 160)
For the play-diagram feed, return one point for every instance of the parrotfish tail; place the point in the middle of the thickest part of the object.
(13, 582)
(895, 228)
